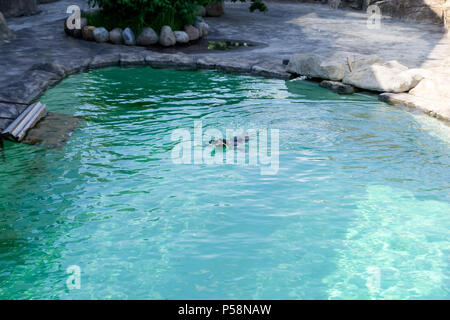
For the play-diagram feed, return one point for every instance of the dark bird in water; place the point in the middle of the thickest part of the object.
(233, 142)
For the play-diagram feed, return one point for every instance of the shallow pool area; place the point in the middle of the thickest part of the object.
(358, 209)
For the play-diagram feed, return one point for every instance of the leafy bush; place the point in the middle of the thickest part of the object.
(138, 14)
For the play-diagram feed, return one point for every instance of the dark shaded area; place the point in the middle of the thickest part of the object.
(205, 45)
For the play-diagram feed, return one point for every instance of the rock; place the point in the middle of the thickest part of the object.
(271, 70)
(5, 33)
(17, 8)
(101, 35)
(88, 33)
(337, 87)
(167, 37)
(384, 77)
(147, 37)
(334, 67)
(214, 9)
(437, 88)
(76, 33)
(434, 108)
(115, 36)
(128, 37)
(203, 28)
(181, 37)
(192, 32)
(201, 11)
(414, 10)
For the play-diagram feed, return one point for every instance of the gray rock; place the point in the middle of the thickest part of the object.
(337, 87)
(5, 33)
(192, 32)
(115, 36)
(101, 35)
(333, 67)
(271, 70)
(384, 77)
(433, 87)
(181, 37)
(16, 8)
(88, 33)
(128, 37)
(147, 37)
(167, 37)
(203, 28)
(434, 108)
(214, 9)
(76, 33)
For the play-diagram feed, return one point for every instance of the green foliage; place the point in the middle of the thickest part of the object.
(138, 14)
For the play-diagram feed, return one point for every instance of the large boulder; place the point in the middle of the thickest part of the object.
(384, 77)
(214, 9)
(5, 33)
(413, 10)
(436, 88)
(128, 37)
(337, 87)
(329, 67)
(181, 37)
(147, 37)
(88, 33)
(192, 32)
(16, 8)
(167, 37)
(101, 35)
(115, 36)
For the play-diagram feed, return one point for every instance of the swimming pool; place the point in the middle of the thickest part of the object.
(358, 207)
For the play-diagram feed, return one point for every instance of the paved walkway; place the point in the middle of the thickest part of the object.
(286, 28)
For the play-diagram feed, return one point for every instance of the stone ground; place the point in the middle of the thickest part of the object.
(287, 28)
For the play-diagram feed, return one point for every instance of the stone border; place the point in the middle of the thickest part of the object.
(166, 38)
(43, 76)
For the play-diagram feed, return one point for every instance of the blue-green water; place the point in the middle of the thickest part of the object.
(362, 193)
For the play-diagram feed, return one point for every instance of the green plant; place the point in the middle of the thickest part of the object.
(138, 14)
(141, 13)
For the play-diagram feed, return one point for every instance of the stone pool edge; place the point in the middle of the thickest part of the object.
(43, 76)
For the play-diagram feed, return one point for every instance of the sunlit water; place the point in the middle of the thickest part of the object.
(358, 209)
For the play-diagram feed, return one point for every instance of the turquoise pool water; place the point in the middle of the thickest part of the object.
(359, 207)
